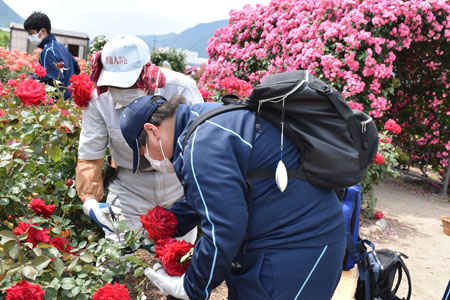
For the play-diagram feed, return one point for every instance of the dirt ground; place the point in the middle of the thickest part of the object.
(414, 227)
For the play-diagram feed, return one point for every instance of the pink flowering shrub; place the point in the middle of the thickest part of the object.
(389, 56)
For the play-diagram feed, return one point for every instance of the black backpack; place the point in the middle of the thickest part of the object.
(378, 270)
(337, 143)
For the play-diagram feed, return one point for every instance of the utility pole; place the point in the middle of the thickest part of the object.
(154, 44)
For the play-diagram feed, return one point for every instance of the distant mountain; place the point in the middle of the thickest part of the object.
(7, 15)
(192, 39)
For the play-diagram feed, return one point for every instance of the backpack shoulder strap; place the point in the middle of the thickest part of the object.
(208, 115)
(402, 265)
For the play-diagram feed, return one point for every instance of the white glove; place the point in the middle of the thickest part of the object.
(99, 212)
(169, 285)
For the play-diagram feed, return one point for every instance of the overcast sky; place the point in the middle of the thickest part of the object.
(111, 17)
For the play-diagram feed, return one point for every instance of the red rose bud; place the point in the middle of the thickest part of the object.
(69, 182)
(113, 291)
(25, 290)
(379, 215)
(60, 65)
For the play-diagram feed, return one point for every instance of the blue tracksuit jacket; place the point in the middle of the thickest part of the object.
(52, 53)
(286, 245)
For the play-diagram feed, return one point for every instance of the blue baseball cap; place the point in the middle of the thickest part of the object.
(132, 122)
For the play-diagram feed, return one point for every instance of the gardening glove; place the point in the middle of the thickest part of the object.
(169, 285)
(100, 212)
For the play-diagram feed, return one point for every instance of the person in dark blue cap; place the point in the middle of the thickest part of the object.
(266, 243)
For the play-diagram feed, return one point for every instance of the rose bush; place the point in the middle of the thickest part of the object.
(45, 238)
(389, 57)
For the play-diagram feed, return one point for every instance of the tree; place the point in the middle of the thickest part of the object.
(175, 58)
(97, 44)
(4, 39)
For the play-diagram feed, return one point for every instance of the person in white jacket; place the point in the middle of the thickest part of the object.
(123, 73)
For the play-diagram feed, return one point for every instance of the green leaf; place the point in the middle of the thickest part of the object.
(55, 153)
(75, 291)
(120, 225)
(87, 257)
(7, 236)
(82, 297)
(30, 272)
(68, 283)
(73, 263)
(134, 260)
(138, 272)
(41, 262)
(37, 251)
(71, 192)
(82, 244)
(13, 250)
(50, 294)
(59, 266)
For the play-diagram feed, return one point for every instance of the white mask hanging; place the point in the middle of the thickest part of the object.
(164, 166)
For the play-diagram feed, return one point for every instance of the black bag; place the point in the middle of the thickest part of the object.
(378, 270)
(337, 143)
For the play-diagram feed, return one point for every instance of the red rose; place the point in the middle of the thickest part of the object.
(69, 181)
(114, 291)
(35, 236)
(379, 159)
(160, 246)
(2, 113)
(81, 88)
(39, 70)
(61, 243)
(22, 76)
(171, 257)
(379, 215)
(25, 291)
(31, 92)
(39, 208)
(159, 223)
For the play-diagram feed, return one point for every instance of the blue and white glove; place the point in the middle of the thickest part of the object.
(169, 285)
(100, 212)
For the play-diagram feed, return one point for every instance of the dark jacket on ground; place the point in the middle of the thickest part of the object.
(52, 53)
(286, 245)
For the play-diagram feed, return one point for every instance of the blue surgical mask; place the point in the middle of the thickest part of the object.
(164, 166)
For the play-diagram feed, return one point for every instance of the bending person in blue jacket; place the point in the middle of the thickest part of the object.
(265, 243)
(55, 57)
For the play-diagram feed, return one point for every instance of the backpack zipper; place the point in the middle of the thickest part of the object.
(364, 124)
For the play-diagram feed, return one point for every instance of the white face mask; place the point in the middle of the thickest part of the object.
(164, 166)
(125, 96)
(34, 38)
